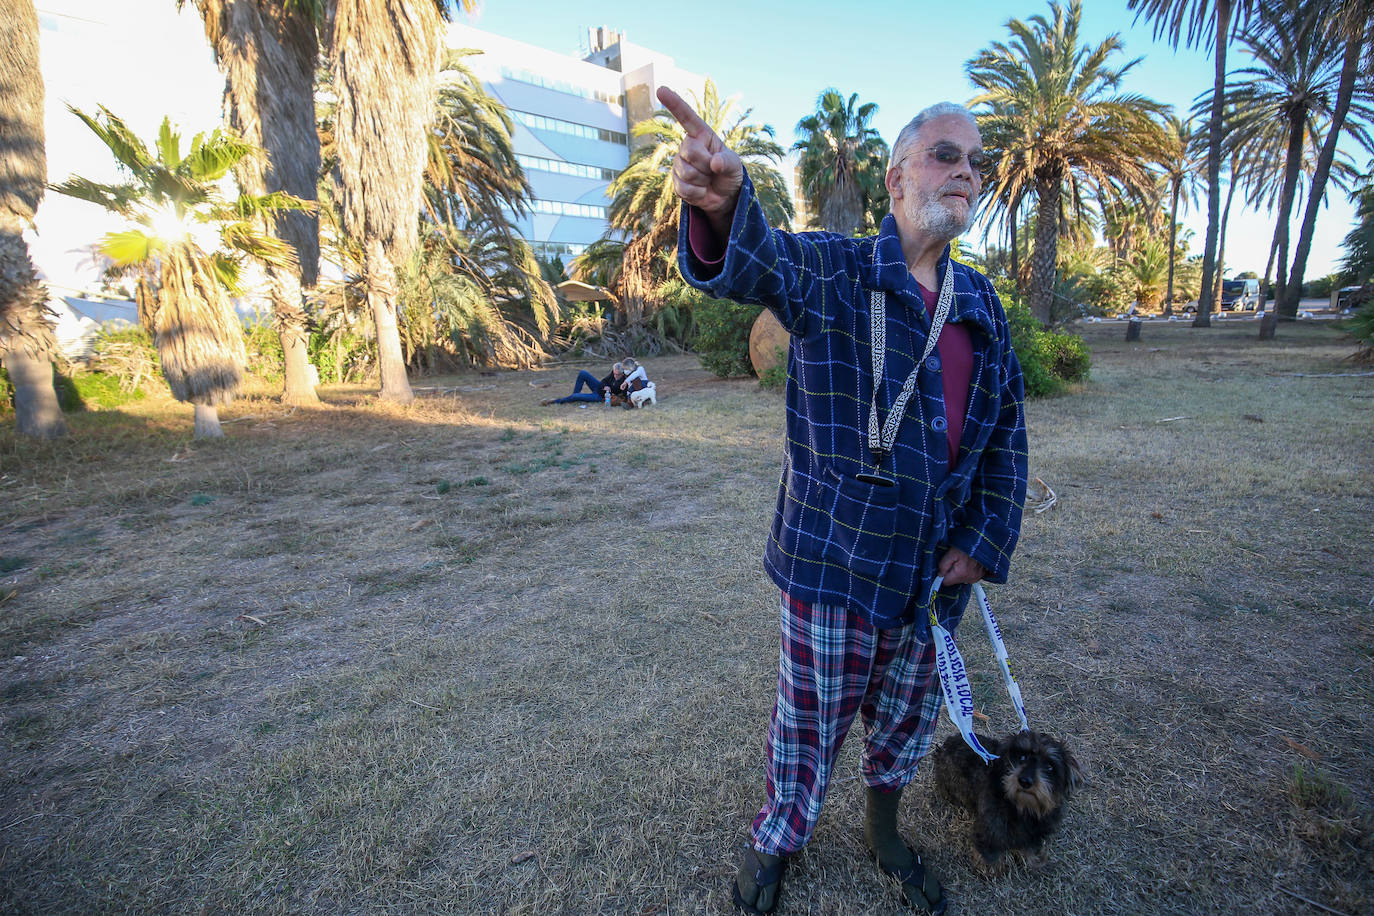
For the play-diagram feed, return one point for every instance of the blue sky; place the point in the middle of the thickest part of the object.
(903, 56)
(145, 59)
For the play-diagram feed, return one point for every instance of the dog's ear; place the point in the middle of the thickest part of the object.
(1076, 778)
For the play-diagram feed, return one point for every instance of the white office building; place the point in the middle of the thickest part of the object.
(573, 118)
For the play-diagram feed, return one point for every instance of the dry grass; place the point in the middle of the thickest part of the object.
(480, 656)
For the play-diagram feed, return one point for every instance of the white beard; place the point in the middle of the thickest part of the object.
(933, 215)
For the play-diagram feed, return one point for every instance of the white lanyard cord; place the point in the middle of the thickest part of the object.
(880, 443)
(954, 683)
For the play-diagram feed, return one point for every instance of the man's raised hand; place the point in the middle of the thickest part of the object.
(706, 173)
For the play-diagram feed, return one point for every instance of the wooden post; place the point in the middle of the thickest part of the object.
(1133, 329)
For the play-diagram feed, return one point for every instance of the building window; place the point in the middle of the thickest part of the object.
(538, 163)
(539, 122)
(562, 208)
(547, 251)
(586, 92)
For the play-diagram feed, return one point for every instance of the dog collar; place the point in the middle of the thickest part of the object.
(954, 683)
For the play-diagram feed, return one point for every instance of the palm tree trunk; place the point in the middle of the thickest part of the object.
(1015, 255)
(1046, 247)
(268, 51)
(207, 422)
(1221, 240)
(36, 411)
(1288, 306)
(1268, 270)
(380, 277)
(1292, 166)
(1173, 240)
(285, 285)
(1214, 138)
(26, 338)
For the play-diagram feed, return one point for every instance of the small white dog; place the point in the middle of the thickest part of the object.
(644, 396)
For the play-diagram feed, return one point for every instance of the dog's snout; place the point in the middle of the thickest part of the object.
(1026, 780)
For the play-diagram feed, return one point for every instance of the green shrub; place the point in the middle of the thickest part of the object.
(1049, 359)
(262, 347)
(719, 327)
(1360, 326)
(722, 342)
(101, 391)
(340, 356)
(127, 355)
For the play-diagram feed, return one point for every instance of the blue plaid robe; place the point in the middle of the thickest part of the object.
(836, 539)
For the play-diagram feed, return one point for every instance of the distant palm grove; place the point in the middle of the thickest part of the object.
(377, 185)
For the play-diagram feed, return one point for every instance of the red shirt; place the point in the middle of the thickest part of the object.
(956, 372)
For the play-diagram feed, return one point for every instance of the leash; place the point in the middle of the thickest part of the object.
(954, 683)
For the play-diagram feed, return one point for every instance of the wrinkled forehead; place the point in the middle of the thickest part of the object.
(951, 129)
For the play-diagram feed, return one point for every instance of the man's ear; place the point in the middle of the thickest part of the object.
(893, 181)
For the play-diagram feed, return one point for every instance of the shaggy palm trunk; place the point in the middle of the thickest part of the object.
(268, 51)
(380, 275)
(1046, 246)
(842, 208)
(26, 337)
(386, 62)
(1173, 239)
(1015, 256)
(198, 336)
(1214, 139)
(1287, 307)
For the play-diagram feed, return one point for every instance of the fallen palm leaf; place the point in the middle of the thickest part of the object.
(1302, 749)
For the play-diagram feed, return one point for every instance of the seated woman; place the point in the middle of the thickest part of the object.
(596, 389)
(636, 385)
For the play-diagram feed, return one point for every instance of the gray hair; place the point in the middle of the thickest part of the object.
(907, 136)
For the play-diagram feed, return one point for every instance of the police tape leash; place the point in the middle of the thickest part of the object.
(954, 683)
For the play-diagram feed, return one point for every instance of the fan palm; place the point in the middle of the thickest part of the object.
(385, 61)
(645, 208)
(1284, 103)
(269, 52)
(1050, 112)
(170, 201)
(842, 165)
(26, 336)
(1203, 21)
(1353, 22)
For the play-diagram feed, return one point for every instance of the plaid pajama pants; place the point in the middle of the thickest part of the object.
(833, 664)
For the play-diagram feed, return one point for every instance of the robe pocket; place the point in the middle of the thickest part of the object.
(863, 518)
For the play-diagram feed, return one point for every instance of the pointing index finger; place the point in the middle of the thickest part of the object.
(682, 112)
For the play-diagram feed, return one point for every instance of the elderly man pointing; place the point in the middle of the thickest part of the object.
(905, 461)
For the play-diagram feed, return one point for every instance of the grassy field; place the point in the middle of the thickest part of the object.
(482, 656)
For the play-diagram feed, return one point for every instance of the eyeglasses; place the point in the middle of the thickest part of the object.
(949, 154)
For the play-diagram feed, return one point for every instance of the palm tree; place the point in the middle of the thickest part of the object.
(183, 286)
(473, 183)
(1353, 21)
(1051, 113)
(1359, 243)
(645, 209)
(1181, 171)
(26, 336)
(1203, 20)
(385, 61)
(269, 52)
(1283, 104)
(842, 165)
